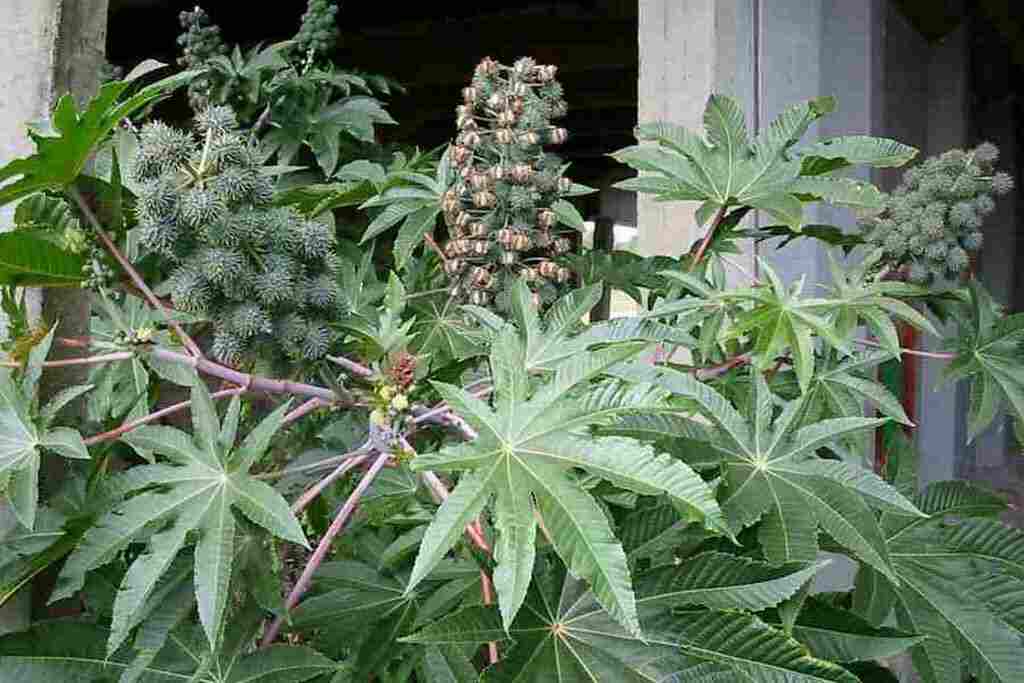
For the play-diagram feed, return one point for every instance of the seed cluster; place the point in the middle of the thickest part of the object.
(931, 223)
(499, 208)
(200, 43)
(318, 33)
(264, 276)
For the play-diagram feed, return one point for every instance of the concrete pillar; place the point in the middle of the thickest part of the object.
(49, 47)
(689, 50)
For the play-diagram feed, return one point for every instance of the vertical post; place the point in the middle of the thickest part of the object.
(689, 50)
(50, 47)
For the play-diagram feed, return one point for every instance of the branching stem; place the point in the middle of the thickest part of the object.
(88, 360)
(136, 279)
(708, 237)
(306, 578)
(163, 412)
(937, 355)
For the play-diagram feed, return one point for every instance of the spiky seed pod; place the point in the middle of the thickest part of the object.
(227, 150)
(497, 173)
(986, 153)
(159, 200)
(481, 247)
(470, 95)
(161, 236)
(228, 348)
(528, 138)
(234, 184)
(517, 105)
(546, 218)
(316, 342)
(463, 219)
(200, 206)
(984, 205)
(480, 298)
(218, 119)
(322, 292)
(529, 274)
(248, 320)
(508, 258)
(542, 238)
(562, 245)
(454, 266)
(519, 89)
(1002, 183)
(262, 193)
(315, 240)
(936, 251)
(276, 285)
(161, 149)
(477, 230)
(190, 291)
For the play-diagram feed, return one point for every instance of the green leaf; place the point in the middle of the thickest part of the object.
(195, 494)
(30, 261)
(753, 648)
(411, 234)
(390, 217)
(989, 354)
(60, 157)
(841, 636)
(835, 153)
(65, 441)
(568, 214)
(281, 664)
(722, 581)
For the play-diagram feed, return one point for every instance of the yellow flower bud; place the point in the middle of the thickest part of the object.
(400, 402)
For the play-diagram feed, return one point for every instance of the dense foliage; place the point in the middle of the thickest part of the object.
(485, 487)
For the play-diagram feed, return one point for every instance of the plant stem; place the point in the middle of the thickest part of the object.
(722, 368)
(938, 355)
(306, 579)
(303, 410)
(130, 270)
(487, 588)
(429, 239)
(89, 360)
(708, 237)
(350, 366)
(312, 467)
(353, 460)
(163, 412)
(251, 382)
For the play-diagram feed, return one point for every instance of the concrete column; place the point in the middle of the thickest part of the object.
(689, 50)
(49, 47)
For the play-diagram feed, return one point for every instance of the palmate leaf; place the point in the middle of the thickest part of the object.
(197, 490)
(988, 354)
(61, 154)
(956, 586)
(72, 651)
(524, 455)
(25, 432)
(563, 635)
(781, 320)
(770, 473)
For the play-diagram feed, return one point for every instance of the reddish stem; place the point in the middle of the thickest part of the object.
(316, 489)
(89, 360)
(306, 579)
(164, 412)
(303, 410)
(351, 366)
(132, 273)
(487, 588)
(252, 382)
(708, 237)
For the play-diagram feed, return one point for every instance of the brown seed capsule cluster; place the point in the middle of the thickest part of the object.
(499, 209)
